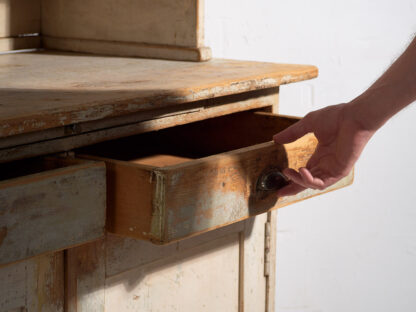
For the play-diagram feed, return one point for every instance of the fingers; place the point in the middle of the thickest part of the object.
(311, 181)
(293, 132)
(300, 181)
(290, 189)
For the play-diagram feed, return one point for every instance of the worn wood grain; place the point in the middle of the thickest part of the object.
(18, 17)
(164, 204)
(202, 278)
(49, 210)
(33, 285)
(63, 139)
(125, 274)
(85, 278)
(71, 88)
(209, 192)
(163, 29)
(116, 48)
(125, 253)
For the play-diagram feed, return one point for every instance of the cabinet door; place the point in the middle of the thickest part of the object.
(222, 270)
(33, 285)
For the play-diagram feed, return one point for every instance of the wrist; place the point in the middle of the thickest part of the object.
(361, 117)
(373, 108)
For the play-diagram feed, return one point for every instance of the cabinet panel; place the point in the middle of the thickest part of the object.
(49, 204)
(170, 29)
(33, 285)
(204, 278)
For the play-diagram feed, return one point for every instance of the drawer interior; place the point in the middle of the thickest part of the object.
(192, 141)
(21, 168)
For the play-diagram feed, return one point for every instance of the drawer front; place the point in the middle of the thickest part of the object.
(51, 210)
(223, 189)
(167, 198)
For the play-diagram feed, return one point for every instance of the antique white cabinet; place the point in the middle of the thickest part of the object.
(137, 184)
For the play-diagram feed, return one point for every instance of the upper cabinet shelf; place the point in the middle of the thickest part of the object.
(163, 29)
(167, 29)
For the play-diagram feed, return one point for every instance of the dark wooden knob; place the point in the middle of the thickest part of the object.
(271, 180)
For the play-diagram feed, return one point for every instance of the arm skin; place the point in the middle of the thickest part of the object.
(343, 130)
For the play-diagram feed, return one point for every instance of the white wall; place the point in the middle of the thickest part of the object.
(354, 249)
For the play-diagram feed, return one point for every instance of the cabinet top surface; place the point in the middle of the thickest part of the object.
(42, 90)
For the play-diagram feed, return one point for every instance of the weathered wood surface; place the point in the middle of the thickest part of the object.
(116, 48)
(167, 29)
(271, 276)
(51, 210)
(85, 278)
(71, 88)
(253, 279)
(164, 204)
(125, 274)
(158, 22)
(18, 17)
(63, 139)
(188, 281)
(33, 285)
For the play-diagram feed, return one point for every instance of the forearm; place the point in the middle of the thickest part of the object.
(393, 91)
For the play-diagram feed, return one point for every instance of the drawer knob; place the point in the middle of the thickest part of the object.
(271, 180)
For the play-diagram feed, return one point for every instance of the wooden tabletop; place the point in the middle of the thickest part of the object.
(43, 90)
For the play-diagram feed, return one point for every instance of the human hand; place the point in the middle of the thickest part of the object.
(341, 139)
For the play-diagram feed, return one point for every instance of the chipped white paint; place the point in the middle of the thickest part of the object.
(159, 205)
(50, 211)
(203, 278)
(33, 285)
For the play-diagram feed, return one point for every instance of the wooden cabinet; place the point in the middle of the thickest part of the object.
(186, 147)
(180, 152)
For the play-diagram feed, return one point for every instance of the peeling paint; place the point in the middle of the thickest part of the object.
(157, 224)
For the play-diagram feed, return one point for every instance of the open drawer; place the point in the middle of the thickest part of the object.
(48, 204)
(170, 184)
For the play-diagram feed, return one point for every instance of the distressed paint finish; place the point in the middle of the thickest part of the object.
(52, 210)
(202, 278)
(59, 139)
(33, 285)
(72, 88)
(253, 279)
(210, 192)
(85, 277)
(125, 274)
(125, 253)
(165, 204)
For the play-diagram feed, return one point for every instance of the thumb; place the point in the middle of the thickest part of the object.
(292, 133)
